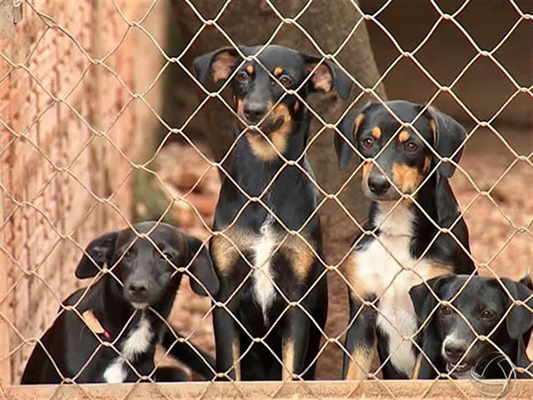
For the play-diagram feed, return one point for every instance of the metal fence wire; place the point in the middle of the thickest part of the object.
(76, 150)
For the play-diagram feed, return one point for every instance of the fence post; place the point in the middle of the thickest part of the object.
(5, 114)
(5, 364)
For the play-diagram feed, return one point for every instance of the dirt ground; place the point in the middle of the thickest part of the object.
(500, 223)
(494, 187)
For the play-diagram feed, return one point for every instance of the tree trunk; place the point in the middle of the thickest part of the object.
(329, 23)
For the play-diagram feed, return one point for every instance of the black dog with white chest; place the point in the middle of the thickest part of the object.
(404, 176)
(110, 331)
(267, 244)
(455, 312)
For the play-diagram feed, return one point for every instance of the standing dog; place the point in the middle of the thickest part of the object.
(404, 246)
(268, 245)
(475, 306)
(110, 333)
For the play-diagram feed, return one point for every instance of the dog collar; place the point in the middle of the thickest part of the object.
(94, 325)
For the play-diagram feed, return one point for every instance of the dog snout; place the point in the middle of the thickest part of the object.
(455, 350)
(378, 185)
(138, 288)
(254, 111)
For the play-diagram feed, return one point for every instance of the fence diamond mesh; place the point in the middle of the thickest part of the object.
(106, 123)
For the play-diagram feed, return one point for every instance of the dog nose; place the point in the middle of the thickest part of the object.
(455, 350)
(137, 288)
(254, 111)
(378, 184)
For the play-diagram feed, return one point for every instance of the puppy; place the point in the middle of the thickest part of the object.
(109, 331)
(402, 246)
(456, 312)
(267, 245)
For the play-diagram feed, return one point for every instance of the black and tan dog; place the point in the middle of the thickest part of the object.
(125, 308)
(456, 312)
(403, 245)
(267, 242)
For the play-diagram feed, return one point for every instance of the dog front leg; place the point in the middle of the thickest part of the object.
(227, 339)
(295, 341)
(360, 341)
(194, 358)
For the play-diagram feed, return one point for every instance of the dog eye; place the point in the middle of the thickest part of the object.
(242, 77)
(410, 147)
(445, 310)
(167, 255)
(367, 143)
(487, 314)
(285, 81)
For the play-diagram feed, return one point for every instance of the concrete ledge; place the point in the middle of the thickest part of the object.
(443, 389)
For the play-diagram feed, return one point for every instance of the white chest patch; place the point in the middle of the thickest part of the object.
(390, 270)
(138, 342)
(264, 289)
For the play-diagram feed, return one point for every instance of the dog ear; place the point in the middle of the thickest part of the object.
(348, 128)
(98, 253)
(522, 359)
(446, 203)
(520, 318)
(424, 301)
(202, 269)
(448, 136)
(327, 76)
(526, 281)
(217, 65)
(448, 213)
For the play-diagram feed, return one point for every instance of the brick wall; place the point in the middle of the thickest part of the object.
(55, 168)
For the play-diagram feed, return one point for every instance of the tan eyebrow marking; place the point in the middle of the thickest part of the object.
(250, 69)
(357, 123)
(278, 71)
(376, 132)
(404, 136)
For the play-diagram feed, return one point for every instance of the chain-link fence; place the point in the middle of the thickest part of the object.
(106, 123)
